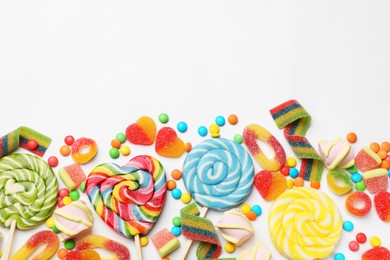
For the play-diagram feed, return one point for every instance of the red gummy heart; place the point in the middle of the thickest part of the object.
(168, 144)
(270, 185)
(376, 253)
(142, 132)
(382, 205)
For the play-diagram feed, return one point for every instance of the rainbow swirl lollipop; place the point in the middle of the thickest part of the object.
(218, 173)
(129, 198)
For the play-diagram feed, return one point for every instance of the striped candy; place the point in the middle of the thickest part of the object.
(304, 223)
(19, 138)
(129, 198)
(218, 173)
(295, 120)
(28, 190)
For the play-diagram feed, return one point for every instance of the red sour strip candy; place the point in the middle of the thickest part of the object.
(250, 135)
(47, 238)
(355, 198)
(382, 205)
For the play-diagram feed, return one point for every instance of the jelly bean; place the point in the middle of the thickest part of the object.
(375, 241)
(69, 244)
(202, 131)
(291, 162)
(232, 119)
(65, 150)
(49, 222)
(352, 169)
(374, 146)
(52, 161)
(121, 137)
(356, 177)
(115, 143)
(238, 138)
(163, 118)
(144, 241)
(384, 164)
(176, 231)
(124, 150)
(360, 186)
(315, 184)
(176, 174)
(82, 186)
(66, 200)
(176, 221)
(69, 140)
(339, 256)
(293, 172)
(55, 229)
(220, 120)
(251, 215)
(290, 184)
(185, 198)
(171, 184)
(382, 154)
(61, 253)
(353, 246)
(348, 226)
(74, 195)
(182, 127)
(214, 130)
(298, 182)
(63, 192)
(176, 193)
(114, 153)
(361, 238)
(385, 146)
(188, 147)
(245, 208)
(257, 210)
(352, 137)
(285, 170)
(230, 247)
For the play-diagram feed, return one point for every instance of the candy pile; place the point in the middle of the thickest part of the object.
(218, 174)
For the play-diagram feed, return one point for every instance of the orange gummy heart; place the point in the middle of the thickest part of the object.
(142, 132)
(168, 144)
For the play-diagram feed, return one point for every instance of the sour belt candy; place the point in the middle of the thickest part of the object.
(129, 198)
(304, 223)
(218, 173)
(28, 190)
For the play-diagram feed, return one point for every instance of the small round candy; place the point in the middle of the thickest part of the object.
(220, 120)
(121, 137)
(375, 241)
(238, 138)
(315, 184)
(188, 147)
(339, 256)
(163, 118)
(214, 130)
(385, 146)
(114, 153)
(66, 200)
(186, 198)
(352, 169)
(232, 119)
(63, 192)
(82, 186)
(230, 247)
(182, 127)
(32, 144)
(245, 208)
(352, 137)
(374, 146)
(52, 161)
(69, 140)
(60, 203)
(176, 174)
(257, 210)
(55, 229)
(62, 252)
(65, 150)
(115, 143)
(348, 226)
(202, 131)
(361, 238)
(171, 184)
(293, 172)
(124, 150)
(384, 164)
(144, 241)
(74, 195)
(176, 221)
(69, 244)
(355, 198)
(176, 193)
(251, 215)
(382, 154)
(285, 170)
(176, 231)
(291, 162)
(298, 182)
(356, 177)
(353, 246)
(290, 184)
(360, 186)
(50, 222)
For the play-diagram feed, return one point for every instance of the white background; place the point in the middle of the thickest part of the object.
(91, 68)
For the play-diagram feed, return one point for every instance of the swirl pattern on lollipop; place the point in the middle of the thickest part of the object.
(28, 190)
(129, 198)
(304, 223)
(218, 173)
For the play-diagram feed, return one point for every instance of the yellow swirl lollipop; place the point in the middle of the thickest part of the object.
(304, 223)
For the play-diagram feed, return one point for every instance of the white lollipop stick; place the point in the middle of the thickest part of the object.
(10, 239)
(189, 241)
(138, 247)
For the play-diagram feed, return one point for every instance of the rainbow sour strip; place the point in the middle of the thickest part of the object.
(19, 138)
(200, 229)
(295, 120)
